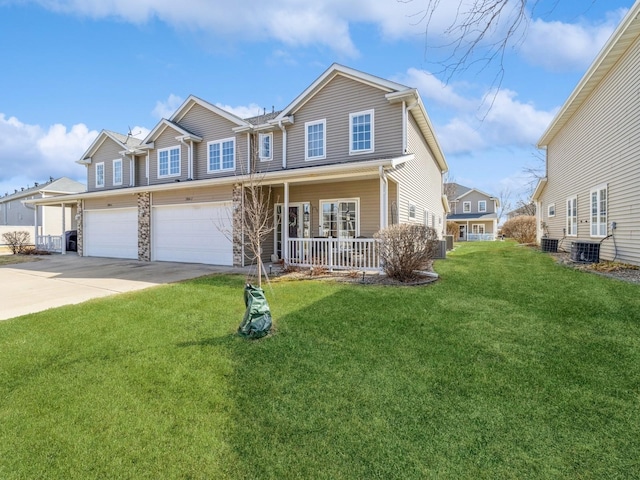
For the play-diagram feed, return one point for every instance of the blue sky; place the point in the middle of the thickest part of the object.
(71, 68)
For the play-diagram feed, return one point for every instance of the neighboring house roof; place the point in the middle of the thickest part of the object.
(623, 37)
(62, 186)
(261, 119)
(460, 191)
(395, 92)
(523, 210)
(163, 125)
(126, 142)
(472, 216)
(456, 189)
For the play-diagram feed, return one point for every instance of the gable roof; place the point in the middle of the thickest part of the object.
(626, 33)
(163, 125)
(460, 191)
(125, 142)
(62, 185)
(394, 92)
(193, 100)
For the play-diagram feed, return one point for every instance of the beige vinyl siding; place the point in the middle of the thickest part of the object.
(420, 181)
(192, 195)
(212, 127)
(276, 162)
(167, 139)
(599, 145)
(107, 153)
(141, 170)
(120, 201)
(340, 97)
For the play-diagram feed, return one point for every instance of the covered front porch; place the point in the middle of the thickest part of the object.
(476, 230)
(63, 220)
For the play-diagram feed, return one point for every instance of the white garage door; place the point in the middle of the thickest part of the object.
(111, 233)
(192, 233)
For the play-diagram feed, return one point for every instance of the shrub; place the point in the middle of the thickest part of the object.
(522, 229)
(17, 241)
(452, 228)
(406, 248)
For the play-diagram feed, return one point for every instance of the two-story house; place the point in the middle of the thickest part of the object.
(353, 153)
(15, 214)
(475, 213)
(589, 199)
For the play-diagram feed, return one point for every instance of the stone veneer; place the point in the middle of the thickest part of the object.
(144, 227)
(79, 223)
(236, 198)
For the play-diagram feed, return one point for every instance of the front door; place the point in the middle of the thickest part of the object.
(463, 232)
(298, 223)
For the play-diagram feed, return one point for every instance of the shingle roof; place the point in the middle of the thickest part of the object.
(59, 185)
(260, 119)
(127, 140)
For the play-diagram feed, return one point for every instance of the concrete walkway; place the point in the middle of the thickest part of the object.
(59, 280)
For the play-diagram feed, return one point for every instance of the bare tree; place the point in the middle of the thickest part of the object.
(504, 197)
(449, 188)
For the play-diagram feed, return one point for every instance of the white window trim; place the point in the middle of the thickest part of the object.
(98, 165)
(340, 200)
(482, 210)
(324, 139)
(464, 207)
(569, 199)
(168, 149)
(221, 169)
(410, 207)
(116, 161)
(368, 150)
(598, 189)
(264, 158)
(426, 217)
(477, 227)
(551, 206)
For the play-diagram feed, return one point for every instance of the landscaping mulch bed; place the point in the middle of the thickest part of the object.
(617, 270)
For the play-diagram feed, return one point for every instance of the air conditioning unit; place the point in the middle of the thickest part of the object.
(588, 252)
(441, 252)
(549, 245)
(449, 240)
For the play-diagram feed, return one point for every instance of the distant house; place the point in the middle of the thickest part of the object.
(351, 154)
(474, 211)
(14, 214)
(591, 191)
(528, 209)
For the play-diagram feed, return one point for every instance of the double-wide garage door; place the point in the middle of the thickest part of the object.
(179, 233)
(192, 233)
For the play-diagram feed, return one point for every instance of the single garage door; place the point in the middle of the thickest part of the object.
(192, 233)
(111, 233)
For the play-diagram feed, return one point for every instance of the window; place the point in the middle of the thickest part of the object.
(477, 228)
(266, 141)
(169, 162)
(466, 207)
(412, 211)
(572, 216)
(482, 206)
(314, 140)
(99, 174)
(551, 210)
(599, 211)
(361, 131)
(426, 217)
(222, 155)
(340, 218)
(117, 172)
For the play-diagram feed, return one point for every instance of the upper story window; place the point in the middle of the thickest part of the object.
(222, 155)
(314, 139)
(466, 207)
(551, 210)
(169, 162)
(572, 216)
(117, 172)
(361, 130)
(266, 143)
(482, 206)
(100, 174)
(599, 211)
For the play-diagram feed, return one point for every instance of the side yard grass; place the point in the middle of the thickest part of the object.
(510, 366)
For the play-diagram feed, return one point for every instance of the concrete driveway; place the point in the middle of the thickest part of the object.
(59, 280)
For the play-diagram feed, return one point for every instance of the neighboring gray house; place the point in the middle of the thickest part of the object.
(14, 214)
(474, 211)
(591, 191)
(353, 153)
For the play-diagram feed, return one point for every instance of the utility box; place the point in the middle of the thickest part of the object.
(549, 245)
(587, 252)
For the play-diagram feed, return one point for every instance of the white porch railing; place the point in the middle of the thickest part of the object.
(334, 253)
(480, 237)
(49, 243)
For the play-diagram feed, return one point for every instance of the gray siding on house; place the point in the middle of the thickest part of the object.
(276, 162)
(14, 212)
(420, 182)
(141, 170)
(339, 98)
(474, 197)
(107, 153)
(119, 201)
(600, 144)
(167, 139)
(192, 195)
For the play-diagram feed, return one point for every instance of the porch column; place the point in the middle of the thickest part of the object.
(63, 241)
(285, 224)
(35, 226)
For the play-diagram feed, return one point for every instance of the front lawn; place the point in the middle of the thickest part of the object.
(509, 367)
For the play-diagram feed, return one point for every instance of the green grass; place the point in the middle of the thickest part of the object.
(509, 367)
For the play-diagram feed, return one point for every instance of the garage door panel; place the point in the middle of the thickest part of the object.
(111, 233)
(192, 233)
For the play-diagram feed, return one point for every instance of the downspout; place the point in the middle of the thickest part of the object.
(285, 224)
(405, 112)
(189, 156)
(249, 153)
(284, 144)
(146, 166)
(384, 200)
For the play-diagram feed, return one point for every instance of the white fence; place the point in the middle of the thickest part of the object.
(334, 253)
(480, 237)
(50, 243)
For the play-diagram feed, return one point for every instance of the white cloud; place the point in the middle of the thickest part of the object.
(164, 109)
(243, 111)
(558, 46)
(30, 153)
(433, 90)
